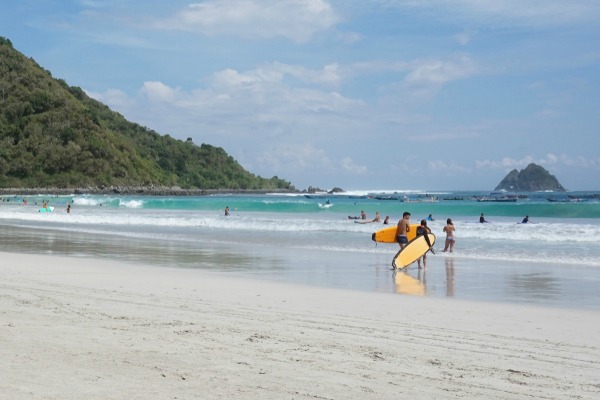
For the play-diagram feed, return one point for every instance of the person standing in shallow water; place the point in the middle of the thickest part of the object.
(227, 211)
(403, 229)
(377, 217)
(449, 230)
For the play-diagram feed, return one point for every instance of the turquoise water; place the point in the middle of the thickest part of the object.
(553, 261)
(570, 205)
(536, 204)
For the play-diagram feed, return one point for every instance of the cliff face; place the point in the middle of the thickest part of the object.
(531, 179)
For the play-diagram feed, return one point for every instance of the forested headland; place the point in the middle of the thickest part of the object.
(53, 135)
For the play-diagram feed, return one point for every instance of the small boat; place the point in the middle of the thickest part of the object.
(497, 199)
(565, 200)
(421, 199)
(388, 197)
(453, 198)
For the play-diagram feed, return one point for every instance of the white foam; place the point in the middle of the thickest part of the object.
(567, 241)
(131, 203)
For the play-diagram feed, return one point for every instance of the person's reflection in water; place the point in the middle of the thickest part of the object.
(449, 276)
(422, 277)
(406, 284)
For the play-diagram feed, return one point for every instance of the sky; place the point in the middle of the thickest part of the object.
(429, 95)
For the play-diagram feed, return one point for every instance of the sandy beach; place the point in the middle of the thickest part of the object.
(74, 328)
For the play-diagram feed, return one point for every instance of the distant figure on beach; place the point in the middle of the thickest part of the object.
(386, 220)
(482, 219)
(449, 230)
(377, 217)
(525, 220)
(430, 218)
(68, 209)
(422, 230)
(227, 211)
(403, 229)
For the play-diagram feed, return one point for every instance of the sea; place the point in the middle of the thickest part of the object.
(313, 239)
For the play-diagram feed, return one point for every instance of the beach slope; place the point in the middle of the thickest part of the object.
(79, 328)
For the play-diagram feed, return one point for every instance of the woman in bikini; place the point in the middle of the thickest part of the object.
(449, 229)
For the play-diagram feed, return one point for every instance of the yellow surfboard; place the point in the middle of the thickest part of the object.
(388, 235)
(413, 251)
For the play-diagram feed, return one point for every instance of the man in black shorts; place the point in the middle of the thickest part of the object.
(403, 229)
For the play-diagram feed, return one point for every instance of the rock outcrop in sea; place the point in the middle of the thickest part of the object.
(531, 179)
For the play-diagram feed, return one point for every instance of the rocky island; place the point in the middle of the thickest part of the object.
(531, 179)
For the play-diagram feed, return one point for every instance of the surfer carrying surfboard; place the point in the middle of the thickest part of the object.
(423, 230)
(403, 229)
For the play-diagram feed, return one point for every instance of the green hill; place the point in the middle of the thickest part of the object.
(54, 135)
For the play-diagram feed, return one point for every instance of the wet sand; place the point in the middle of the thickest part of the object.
(79, 327)
(453, 276)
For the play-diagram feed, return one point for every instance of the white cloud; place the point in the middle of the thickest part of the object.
(297, 20)
(463, 38)
(273, 89)
(423, 78)
(549, 159)
(443, 167)
(294, 156)
(439, 72)
(117, 99)
(440, 137)
(531, 13)
(272, 92)
(92, 3)
(573, 161)
(505, 163)
(350, 166)
(278, 72)
(272, 114)
(159, 92)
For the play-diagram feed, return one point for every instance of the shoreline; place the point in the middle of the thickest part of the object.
(78, 327)
(257, 245)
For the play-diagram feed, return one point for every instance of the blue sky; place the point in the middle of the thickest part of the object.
(366, 94)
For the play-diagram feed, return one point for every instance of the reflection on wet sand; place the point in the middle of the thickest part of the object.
(150, 251)
(406, 284)
(449, 276)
